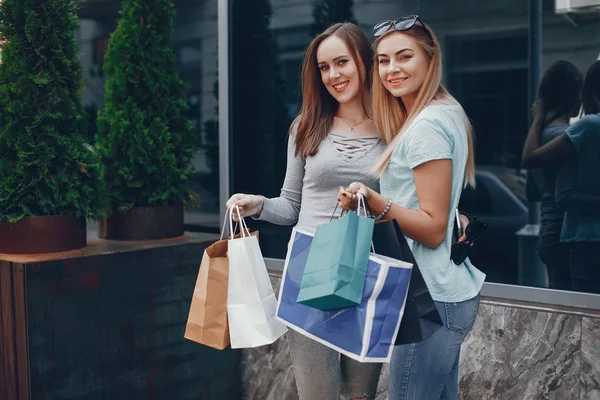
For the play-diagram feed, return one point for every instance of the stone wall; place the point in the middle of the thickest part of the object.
(516, 351)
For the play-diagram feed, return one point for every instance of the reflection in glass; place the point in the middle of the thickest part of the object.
(487, 69)
(195, 45)
(568, 156)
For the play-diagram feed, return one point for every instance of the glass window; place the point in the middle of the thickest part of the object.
(195, 45)
(487, 67)
(571, 41)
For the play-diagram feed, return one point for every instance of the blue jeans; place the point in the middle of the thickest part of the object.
(429, 370)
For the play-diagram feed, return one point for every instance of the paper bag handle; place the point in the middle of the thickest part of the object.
(361, 202)
(227, 212)
(244, 228)
(232, 230)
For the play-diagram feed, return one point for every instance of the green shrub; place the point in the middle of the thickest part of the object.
(144, 138)
(46, 168)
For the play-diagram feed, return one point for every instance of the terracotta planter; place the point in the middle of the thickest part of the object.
(144, 223)
(50, 234)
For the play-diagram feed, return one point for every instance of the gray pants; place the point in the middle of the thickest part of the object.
(323, 374)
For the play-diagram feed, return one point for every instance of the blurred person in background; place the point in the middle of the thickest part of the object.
(576, 152)
(560, 93)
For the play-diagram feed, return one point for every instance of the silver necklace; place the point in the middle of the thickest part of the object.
(355, 125)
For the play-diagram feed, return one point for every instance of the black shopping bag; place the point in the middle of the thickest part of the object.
(421, 318)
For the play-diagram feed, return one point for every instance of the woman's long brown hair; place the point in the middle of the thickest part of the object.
(318, 107)
(391, 116)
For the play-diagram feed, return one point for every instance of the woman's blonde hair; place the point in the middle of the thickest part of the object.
(391, 116)
(318, 106)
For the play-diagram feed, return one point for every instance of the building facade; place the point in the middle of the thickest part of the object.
(488, 67)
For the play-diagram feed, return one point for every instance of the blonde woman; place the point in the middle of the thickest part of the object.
(333, 141)
(423, 171)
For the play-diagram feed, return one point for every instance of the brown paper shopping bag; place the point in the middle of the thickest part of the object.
(207, 320)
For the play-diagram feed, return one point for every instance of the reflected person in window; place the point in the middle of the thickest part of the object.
(332, 142)
(560, 92)
(576, 153)
(428, 162)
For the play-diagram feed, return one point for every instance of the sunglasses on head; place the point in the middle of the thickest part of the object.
(401, 24)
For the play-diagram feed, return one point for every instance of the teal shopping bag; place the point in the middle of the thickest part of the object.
(334, 276)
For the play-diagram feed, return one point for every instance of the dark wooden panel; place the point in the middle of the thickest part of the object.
(110, 325)
(8, 363)
(20, 309)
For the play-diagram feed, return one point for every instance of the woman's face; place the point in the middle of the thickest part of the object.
(339, 70)
(402, 65)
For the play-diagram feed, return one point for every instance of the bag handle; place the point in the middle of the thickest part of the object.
(232, 230)
(243, 227)
(227, 212)
(361, 202)
(334, 210)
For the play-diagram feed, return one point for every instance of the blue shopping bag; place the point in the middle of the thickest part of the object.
(365, 332)
(336, 267)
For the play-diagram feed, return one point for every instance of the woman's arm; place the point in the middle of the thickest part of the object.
(553, 153)
(427, 225)
(427, 149)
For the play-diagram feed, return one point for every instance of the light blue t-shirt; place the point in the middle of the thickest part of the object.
(585, 136)
(437, 133)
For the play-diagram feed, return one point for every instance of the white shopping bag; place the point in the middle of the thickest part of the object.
(251, 302)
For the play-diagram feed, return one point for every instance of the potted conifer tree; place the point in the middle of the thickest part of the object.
(144, 139)
(50, 179)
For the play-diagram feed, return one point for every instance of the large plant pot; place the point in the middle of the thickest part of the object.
(49, 234)
(143, 223)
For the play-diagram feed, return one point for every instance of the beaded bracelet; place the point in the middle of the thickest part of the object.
(385, 210)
